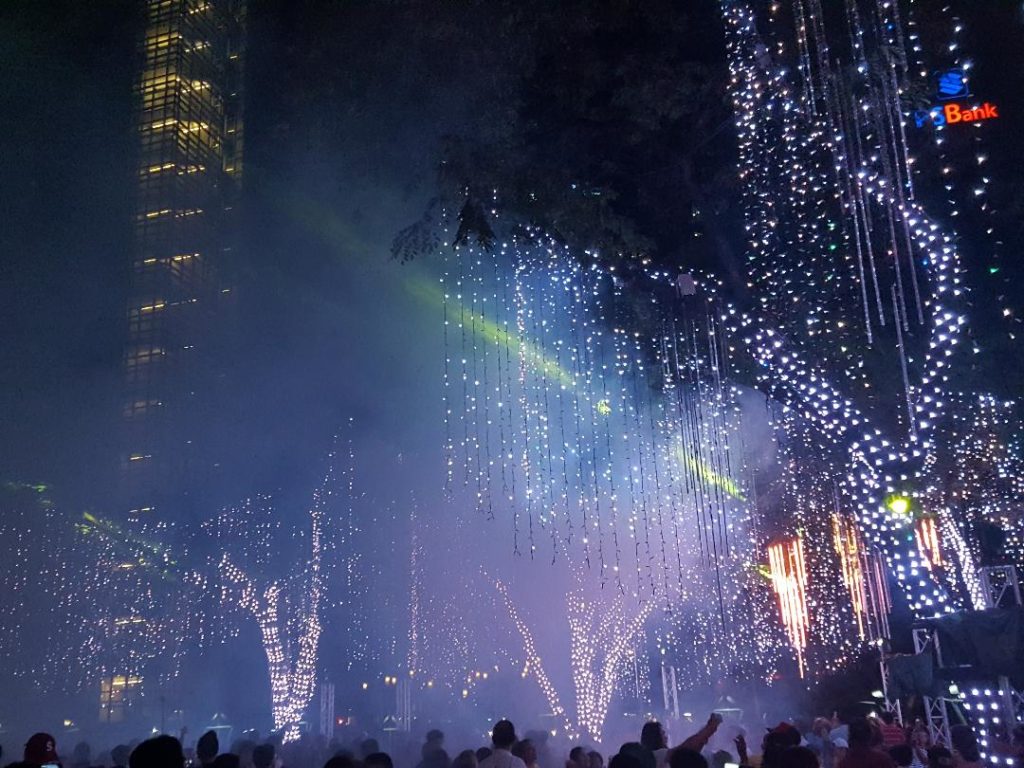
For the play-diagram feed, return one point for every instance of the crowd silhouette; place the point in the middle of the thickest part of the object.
(826, 742)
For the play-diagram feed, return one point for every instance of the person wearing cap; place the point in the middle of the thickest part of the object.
(41, 749)
(776, 741)
(503, 736)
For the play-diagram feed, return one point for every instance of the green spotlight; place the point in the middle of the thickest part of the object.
(898, 504)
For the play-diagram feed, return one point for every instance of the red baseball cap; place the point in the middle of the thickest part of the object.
(41, 749)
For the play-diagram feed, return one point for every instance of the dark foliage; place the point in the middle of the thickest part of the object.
(605, 126)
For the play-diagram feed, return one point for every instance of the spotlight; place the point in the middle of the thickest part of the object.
(898, 504)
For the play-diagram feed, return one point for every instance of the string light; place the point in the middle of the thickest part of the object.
(291, 643)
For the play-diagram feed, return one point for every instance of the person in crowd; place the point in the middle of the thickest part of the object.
(465, 759)
(368, 747)
(654, 738)
(207, 748)
(81, 755)
(342, 760)
(433, 742)
(776, 741)
(892, 732)
(840, 746)
(741, 748)
(902, 755)
(578, 758)
(819, 739)
(940, 757)
(965, 747)
(877, 739)
(595, 759)
(540, 738)
(380, 759)
(226, 760)
(119, 756)
(919, 743)
(862, 752)
(643, 755)
(700, 739)
(263, 756)
(624, 760)
(798, 757)
(243, 749)
(682, 757)
(41, 749)
(482, 753)
(158, 752)
(438, 759)
(525, 751)
(503, 736)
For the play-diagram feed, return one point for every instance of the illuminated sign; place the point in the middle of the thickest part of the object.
(951, 113)
(952, 84)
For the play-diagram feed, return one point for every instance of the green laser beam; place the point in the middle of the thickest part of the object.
(706, 473)
(429, 291)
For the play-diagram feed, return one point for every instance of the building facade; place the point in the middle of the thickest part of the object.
(189, 169)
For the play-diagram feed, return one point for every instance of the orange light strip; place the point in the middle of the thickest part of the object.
(927, 535)
(848, 547)
(789, 580)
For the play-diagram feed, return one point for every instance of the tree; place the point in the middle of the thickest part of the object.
(622, 148)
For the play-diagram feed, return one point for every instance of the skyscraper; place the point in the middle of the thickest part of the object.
(189, 167)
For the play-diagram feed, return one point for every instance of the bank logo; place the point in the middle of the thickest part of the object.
(952, 84)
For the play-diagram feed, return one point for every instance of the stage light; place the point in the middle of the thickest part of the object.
(898, 504)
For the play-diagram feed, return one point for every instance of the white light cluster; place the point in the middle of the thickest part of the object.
(870, 200)
(985, 704)
(291, 643)
(600, 637)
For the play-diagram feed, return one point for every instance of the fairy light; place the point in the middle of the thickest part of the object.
(533, 663)
(985, 706)
(856, 320)
(600, 637)
(644, 486)
(290, 643)
(872, 183)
